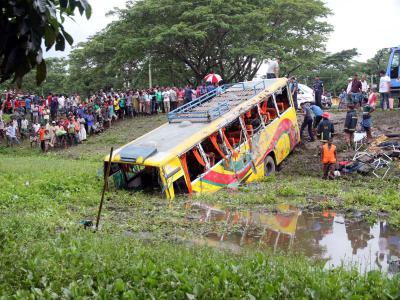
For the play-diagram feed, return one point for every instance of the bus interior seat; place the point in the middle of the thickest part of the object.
(272, 113)
(267, 117)
(234, 135)
(281, 106)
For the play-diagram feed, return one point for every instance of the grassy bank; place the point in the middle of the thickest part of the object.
(81, 264)
(45, 252)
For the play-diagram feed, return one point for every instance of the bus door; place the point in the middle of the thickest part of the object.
(172, 176)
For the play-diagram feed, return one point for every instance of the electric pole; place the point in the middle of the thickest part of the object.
(150, 79)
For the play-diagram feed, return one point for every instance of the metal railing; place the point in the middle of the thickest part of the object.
(188, 112)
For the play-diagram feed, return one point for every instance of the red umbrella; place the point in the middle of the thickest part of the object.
(213, 78)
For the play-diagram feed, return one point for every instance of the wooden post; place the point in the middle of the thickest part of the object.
(105, 185)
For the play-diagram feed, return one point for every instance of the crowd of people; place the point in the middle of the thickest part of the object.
(61, 121)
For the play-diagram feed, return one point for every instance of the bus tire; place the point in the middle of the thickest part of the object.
(269, 166)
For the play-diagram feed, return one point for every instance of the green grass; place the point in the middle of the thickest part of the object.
(80, 264)
(45, 253)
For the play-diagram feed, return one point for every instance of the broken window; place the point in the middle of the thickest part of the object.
(282, 100)
(196, 164)
(135, 177)
(234, 134)
(268, 110)
(253, 121)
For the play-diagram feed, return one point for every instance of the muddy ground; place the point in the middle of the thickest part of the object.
(305, 159)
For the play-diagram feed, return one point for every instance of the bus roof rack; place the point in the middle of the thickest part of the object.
(214, 104)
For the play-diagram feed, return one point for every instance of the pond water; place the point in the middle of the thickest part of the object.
(327, 235)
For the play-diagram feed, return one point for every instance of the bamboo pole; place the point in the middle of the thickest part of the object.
(105, 185)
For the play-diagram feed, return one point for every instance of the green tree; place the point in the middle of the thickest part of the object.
(377, 63)
(56, 80)
(189, 40)
(333, 68)
(24, 25)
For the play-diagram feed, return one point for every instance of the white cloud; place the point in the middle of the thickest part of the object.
(367, 25)
(80, 28)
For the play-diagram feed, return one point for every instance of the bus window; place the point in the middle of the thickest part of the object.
(394, 67)
(233, 133)
(135, 177)
(214, 155)
(268, 110)
(195, 163)
(253, 121)
(282, 100)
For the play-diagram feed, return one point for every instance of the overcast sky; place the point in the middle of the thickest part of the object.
(367, 25)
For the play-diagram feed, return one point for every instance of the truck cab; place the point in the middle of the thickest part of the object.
(393, 69)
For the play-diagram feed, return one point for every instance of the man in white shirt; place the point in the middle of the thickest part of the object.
(173, 98)
(384, 89)
(11, 133)
(24, 127)
(167, 103)
(364, 85)
(348, 89)
(61, 102)
(364, 88)
(273, 68)
(36, 127)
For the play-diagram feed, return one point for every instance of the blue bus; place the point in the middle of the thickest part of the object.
(393, 69)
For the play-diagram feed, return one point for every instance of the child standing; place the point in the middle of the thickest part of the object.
(366, 122)
(328, 157)
(42, 133)
(372, 99)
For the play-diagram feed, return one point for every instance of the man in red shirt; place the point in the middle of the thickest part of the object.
(356, 90)
(49, 98)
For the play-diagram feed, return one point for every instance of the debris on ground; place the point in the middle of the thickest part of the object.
(375, 159)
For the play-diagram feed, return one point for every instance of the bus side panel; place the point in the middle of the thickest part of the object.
(281, 136)
(225, 174)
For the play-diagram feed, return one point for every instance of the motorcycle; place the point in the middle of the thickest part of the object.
(326, 101)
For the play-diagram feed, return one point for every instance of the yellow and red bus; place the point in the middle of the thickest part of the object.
(234, 134)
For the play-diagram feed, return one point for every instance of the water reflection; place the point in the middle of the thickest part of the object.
(324, 235)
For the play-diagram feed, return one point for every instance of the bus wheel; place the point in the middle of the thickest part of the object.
(269, 166)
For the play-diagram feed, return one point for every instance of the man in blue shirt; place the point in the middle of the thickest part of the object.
(203, 89)
(210, 87)
(317, 111)
(318, 90)
(188, 94)
(28, 107)
(27, 104)
(307, 122)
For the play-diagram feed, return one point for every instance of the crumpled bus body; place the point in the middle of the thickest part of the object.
(236, 134)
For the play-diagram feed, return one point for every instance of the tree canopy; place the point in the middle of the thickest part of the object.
(335, 68)
(24, 25)
(189, 39)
